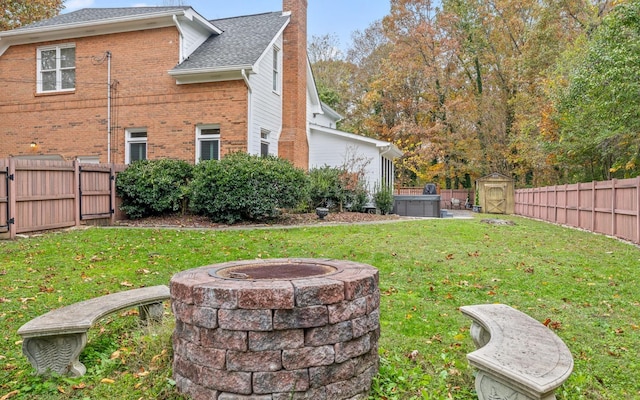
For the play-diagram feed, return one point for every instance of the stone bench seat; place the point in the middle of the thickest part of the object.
(53, 341)
(517, 356)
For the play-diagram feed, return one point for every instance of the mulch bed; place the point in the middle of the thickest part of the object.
(286, 219)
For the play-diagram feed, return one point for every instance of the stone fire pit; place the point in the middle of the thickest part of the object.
(276, 329)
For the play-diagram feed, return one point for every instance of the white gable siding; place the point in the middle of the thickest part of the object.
(266, 105)
(323, 120)
(193, 36)
(335, 151)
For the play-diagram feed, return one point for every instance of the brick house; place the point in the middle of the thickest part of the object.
(122, 84)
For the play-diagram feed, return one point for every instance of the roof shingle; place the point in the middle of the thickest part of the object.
(242, 41)
(99, 14)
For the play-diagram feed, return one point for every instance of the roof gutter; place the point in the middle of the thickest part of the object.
(232, 68)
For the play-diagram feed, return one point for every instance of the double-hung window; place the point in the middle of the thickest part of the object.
(136, 146)
(56, 68)
(207, 143)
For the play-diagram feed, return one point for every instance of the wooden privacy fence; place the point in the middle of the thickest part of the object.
(38, 195)
(609, 207)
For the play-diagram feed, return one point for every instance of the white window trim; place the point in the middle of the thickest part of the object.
(129, 140)
(277, 70)
(39, 80)
(265, 136)
(200, 137)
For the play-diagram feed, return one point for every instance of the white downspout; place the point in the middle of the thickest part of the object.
(249, 109)
(108, 107)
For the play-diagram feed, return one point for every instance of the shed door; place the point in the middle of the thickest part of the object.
(496, 198)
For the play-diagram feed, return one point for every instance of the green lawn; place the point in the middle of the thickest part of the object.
(585, 284)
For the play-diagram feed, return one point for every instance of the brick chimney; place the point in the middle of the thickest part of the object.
(293, 144)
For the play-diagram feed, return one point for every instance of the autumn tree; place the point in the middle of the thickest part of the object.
(598, 112)
(19, 13)
(333, 75)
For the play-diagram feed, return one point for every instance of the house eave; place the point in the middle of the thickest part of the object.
(101, 27)
(387, 149)
(205, 75)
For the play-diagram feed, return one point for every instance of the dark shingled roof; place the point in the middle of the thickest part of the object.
(242, 41)
(98, 14)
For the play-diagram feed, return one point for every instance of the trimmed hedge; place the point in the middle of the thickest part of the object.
(154, 187)
(243, 187)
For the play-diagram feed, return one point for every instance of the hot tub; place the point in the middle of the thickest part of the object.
(276, 328)
(426, 205)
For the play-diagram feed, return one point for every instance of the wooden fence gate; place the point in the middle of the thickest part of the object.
(39, 195)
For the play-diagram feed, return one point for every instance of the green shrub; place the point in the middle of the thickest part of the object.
(383, 198)
(357, 198)
(325, 189)
(336, 188)
(153, 187)
(242, 187)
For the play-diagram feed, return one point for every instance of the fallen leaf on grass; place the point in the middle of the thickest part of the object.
(141, 374)
(125, 283)
(25, 299)
(413, 355)
(4, 300)
(107, 380)
(130, 312)
(79, 386)
(10, 395)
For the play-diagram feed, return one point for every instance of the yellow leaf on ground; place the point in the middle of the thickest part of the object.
(9, 395)
(107, 380)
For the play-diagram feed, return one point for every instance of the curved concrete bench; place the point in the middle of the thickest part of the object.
(517, 357)
(53, 341)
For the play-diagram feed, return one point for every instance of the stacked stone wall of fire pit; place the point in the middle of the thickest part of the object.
(300, 337)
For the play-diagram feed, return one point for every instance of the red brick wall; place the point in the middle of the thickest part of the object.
(75, 124)
(293, 140)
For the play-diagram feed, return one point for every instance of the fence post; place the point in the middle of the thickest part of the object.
(593, 206)
(112, 187)
(614, 227)
(76, 192)
(637, 210)
(11, 201)
(579, 190)
(555, 204)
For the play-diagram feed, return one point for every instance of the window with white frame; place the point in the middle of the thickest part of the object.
(264, 143)
(136, 145)
(56, 68)
(276, 69)
(207, 143)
